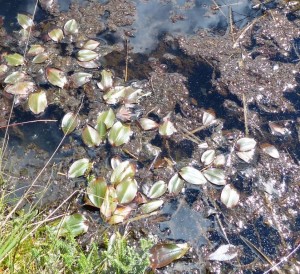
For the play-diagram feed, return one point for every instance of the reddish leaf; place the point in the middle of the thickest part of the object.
(164, 254)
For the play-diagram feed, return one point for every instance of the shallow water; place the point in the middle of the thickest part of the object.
(152, 25)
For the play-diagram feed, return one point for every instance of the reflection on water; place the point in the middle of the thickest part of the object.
(155, 18)
(185, 224)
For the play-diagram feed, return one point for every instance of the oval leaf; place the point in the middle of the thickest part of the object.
(119, 134)
(107, 117)
(175, 184)
(106, 80)
(167, 128)
(120, 214)
(157, 190)
(78, 168)
(80, 78)
(126, 191)
(246, 156)
(14, 77)
(96, 191)
(192, 175)
(151, 206)
(69, 123)
(86, 55)
(14, 59)
(224, 253)
(148, 124)
(110, 203)
(245, 144)
(123, 172)
(24, 21)
(71, 27)
(208, 157)
(56, 77)
(56, 35)
(35, 50)
(230, 196)
(208, 117)
(73, 225)
(91, 44)
(40, 58)
(91, 137)
(21, 88)
(37, 102)
(164, 254)
(215, 176)
(270, 150)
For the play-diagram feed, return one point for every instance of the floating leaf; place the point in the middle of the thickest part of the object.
(110, 203)
(89, 65)
(158, 189)
(245, 144)
(119, 134)
(56, 77)
(106, 80)
(91, 44)
(96, 191)
(126, 191)
(14, 59)
(246, 156)
(164, 254)
(270, 150)
(120, 214)
(24, 21)
(40, 58)
(208, 117)
(175, 184)
(215, 176)
(192, 175)
(35, 50)
(80, 78)
(151, 206)
(71, 27)
(37, 102)
(278, 130)
(73, 225)
(86, 55)
(230, 196)
(220, 160)
(14, 77)
(167, 128)
(56, 35)
(91, 137)
(114, 95)
(69, 123)
(78, 168)
(208, 157)
(21, 88)
(107, 117)
(122, 172)
(148, 124)
(224, 253)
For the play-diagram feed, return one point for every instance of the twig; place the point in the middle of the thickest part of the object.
(245, 115)
(126, 62)
(27, 122)
(284, 259)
